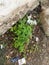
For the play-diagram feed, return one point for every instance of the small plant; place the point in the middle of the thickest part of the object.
(22, 32)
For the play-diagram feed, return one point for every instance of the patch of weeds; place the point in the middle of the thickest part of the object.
(23, 33)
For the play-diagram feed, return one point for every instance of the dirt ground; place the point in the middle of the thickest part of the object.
(37, 53)
(38, 57)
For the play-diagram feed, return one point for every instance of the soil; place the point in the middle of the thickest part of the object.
(40, 57)
(37, 53)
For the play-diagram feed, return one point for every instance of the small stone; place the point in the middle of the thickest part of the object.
(22, 61)
(44, 45)
(11, 52)
(13, 23)
(32, 41)
(37, 39)
(35, 16)
(35, 22)
(29, 58)
(1, 23)
(8, 57)
(2, 46)
(27, 50)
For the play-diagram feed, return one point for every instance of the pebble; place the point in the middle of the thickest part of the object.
(2, 46)
(11, 52)
(8, 57)
(37, 39)
(34, 22)
(1, 23)
(44, 45)
(22, 61)
(29, 58)
(13, 23)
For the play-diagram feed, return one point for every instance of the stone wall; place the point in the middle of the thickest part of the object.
(10, 17)
(45, 20)
(45, 16)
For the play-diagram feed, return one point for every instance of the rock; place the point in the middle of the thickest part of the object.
(8, 57)
(29, 58)
(2, 46)
(12, 10)
(45, 20)
(22, 61)
(37, 39)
